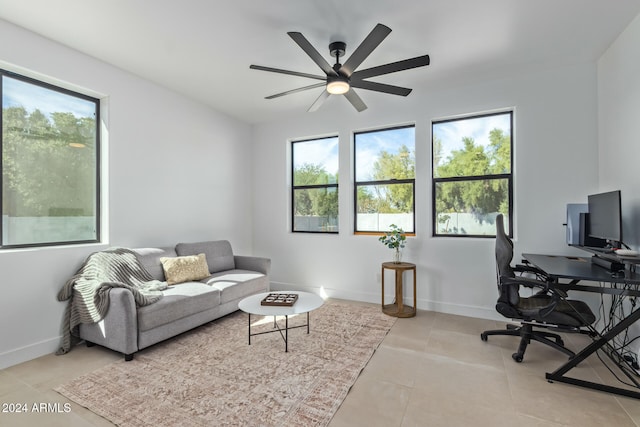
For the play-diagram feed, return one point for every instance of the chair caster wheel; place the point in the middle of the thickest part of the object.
(483, 336)
(517, 357)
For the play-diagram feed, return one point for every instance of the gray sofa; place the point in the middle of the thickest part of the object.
(127, 328)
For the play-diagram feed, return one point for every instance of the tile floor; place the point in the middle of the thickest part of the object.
(431, 370)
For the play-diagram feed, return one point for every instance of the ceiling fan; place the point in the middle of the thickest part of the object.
(341, 79)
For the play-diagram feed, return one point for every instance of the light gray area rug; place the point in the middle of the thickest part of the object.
(211, 376)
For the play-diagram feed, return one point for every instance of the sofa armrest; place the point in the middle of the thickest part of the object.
(253, 263)
(119, 328)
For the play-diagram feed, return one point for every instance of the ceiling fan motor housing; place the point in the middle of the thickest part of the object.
(337, 49)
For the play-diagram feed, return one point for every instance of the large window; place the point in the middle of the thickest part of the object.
(50, 164)
(384, 165)
(472, 174)
(314, 165)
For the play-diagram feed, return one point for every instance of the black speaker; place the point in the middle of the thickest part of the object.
(585, 239)
(608, 264)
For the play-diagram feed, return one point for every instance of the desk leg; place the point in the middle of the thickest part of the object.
(559, 374)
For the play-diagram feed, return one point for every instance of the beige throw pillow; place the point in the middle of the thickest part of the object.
(184, 268)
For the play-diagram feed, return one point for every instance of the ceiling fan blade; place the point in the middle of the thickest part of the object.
(355, 100)
(312, 52)
(375, 37)
(380, 87)
(292, 73)
(419, 61)
(318, 102)
(289, 92)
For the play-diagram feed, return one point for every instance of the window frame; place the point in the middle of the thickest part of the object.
(357, 183)
(470, 178)
(98, 160)
(310, 187)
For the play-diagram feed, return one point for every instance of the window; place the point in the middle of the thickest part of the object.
(472, 174)
(50, 164)
(384, 165)
(314, 165)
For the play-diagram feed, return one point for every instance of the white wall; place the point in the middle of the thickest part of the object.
(619, 131)
(177, 172)
(619, 126)
(555, 164)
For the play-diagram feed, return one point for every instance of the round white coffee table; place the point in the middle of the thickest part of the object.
(305, 303)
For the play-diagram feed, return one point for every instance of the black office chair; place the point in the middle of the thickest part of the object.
(547, 309)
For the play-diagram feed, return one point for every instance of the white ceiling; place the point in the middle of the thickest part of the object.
(203, 48)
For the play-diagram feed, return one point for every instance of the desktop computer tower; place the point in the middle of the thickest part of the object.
(578, 227)
(573, 222)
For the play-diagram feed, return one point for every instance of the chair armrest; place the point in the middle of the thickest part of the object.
(548, 291)
(547, 286)
(253, 263)
(530, 269)
(524, 281)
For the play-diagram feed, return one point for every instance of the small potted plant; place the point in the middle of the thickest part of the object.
(394, 239)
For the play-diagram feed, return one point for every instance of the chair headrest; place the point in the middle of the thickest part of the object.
(504, 249)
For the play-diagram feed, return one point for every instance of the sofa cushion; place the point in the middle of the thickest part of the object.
(150, 260)
(235, 284)
(179, 301)
(185, 268)
(219, 253)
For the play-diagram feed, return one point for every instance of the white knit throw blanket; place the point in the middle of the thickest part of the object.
(88, 290)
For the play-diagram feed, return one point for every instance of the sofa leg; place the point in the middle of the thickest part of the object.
(90, 344)
(128, 357)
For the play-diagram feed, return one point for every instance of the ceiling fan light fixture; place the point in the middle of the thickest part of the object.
(338, 86)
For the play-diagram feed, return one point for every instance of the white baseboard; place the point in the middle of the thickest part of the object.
(32, 351)
(374, 297)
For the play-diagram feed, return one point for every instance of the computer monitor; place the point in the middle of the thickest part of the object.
(605, 217)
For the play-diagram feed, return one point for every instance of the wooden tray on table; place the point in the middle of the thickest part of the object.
(279, 300)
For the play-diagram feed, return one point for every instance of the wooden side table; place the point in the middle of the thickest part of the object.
(398, 309)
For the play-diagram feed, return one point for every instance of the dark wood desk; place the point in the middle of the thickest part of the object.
(579, 268)
(626, 283)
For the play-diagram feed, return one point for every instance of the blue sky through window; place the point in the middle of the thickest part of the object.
(323, 152)
(16, 93)
(478, 128)
(369, 145)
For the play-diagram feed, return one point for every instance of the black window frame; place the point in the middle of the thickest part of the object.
(507, 176)
(357, 183)
(98, 172)
(309, 187)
